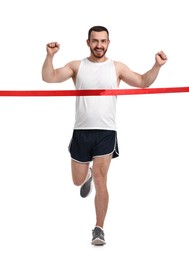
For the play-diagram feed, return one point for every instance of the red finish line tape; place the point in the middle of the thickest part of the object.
(90, 92)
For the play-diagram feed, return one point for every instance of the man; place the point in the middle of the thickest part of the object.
(94, 136)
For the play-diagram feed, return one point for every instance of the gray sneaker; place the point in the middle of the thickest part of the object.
(98, 237)
(87, 186)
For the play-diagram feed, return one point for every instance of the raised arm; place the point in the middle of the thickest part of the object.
(51, 75)
(141, 80)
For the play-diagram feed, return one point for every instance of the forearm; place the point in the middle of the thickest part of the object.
(48, 71)
(150, 76)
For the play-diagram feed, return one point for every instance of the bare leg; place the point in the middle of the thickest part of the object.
(100, 170)
(80, 172)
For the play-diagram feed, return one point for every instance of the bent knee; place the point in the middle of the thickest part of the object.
(78, 181)
(78, 178)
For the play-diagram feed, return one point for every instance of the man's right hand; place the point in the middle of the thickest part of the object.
(52, 48)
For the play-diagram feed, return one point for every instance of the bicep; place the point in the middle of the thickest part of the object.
(64, 73)
(128, 76)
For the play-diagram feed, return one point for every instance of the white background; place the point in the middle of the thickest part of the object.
(41, 213)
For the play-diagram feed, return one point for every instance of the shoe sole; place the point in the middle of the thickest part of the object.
(84, 196)
(82, 192)
(98, 242)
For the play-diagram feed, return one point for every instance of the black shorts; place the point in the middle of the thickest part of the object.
(87, 144)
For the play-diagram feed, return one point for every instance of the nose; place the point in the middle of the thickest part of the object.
(98, 44)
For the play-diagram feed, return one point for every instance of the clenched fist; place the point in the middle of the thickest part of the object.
(161, 58)
(52, 48)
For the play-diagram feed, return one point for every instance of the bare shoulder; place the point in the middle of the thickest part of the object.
(120, 68)
(74, 65)
(120, 65)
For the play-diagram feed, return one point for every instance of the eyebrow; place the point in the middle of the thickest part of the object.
(94, 39)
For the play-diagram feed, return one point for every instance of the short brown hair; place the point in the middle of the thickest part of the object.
(97, 28)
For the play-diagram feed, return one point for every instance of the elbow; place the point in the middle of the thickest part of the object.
(146, 86)
(43, 79)
(142, 85)
(47, 79)
(145, 82)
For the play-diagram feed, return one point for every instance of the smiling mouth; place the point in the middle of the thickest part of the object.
(98, 50)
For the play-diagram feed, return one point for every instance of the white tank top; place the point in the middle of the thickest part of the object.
(96, 112)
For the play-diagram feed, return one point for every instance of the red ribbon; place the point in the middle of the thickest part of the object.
(91, 92)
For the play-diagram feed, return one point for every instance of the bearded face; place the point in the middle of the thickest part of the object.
(98, 44)
(98, 52)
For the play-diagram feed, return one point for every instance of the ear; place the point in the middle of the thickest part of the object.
(87, 41)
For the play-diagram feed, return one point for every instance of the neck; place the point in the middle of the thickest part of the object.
(94, 59)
